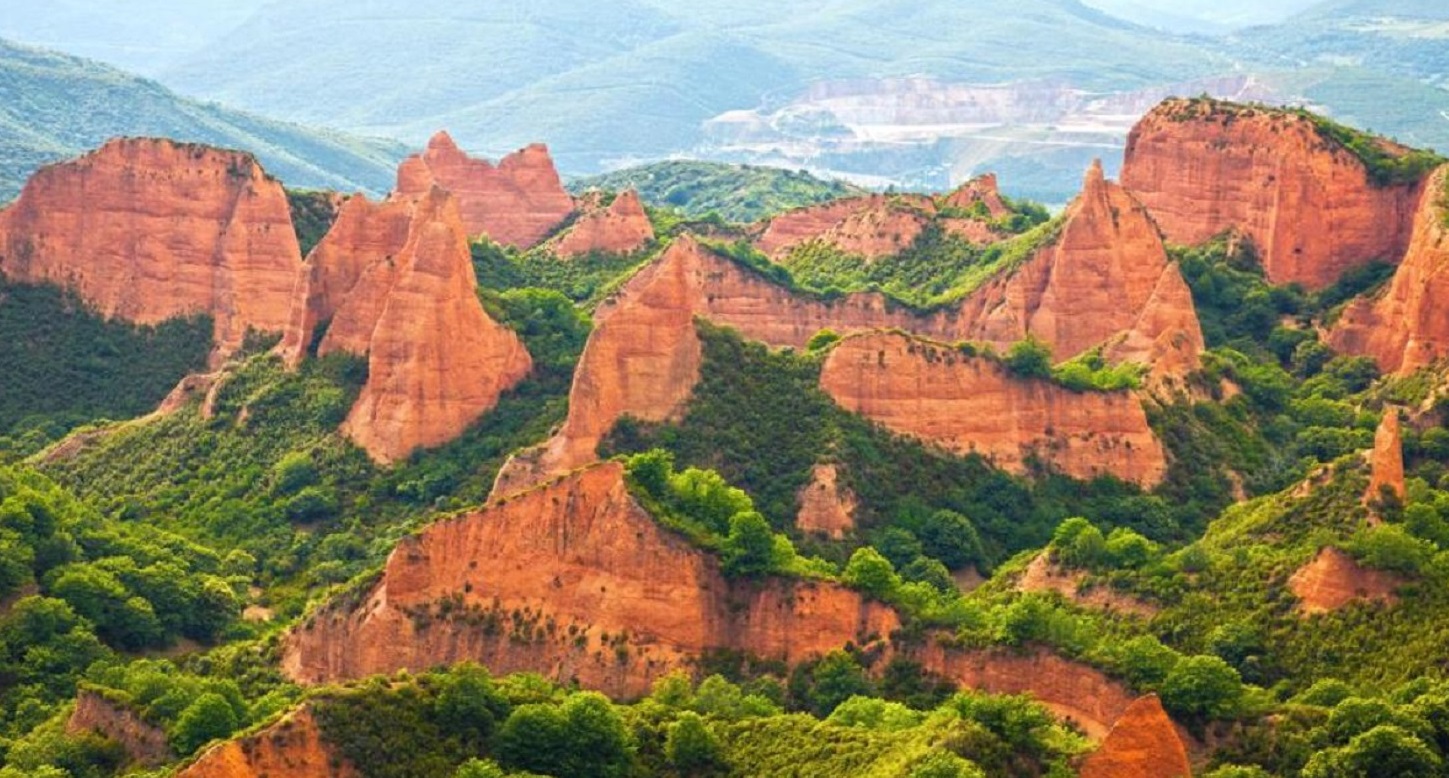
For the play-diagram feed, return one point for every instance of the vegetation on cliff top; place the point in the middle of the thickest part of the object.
(737, 193)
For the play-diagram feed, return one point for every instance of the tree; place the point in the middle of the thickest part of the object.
(1030, 358)
(479, 768)
(944, 764)
(584, 736)
(468, 705)
(691, 747)
(651, 470)
(951, 538)
(871, 573)
(836, 678)
(749, 549)
(1202, 686)
(1386, 751)
(207, 718)
(1145, 661)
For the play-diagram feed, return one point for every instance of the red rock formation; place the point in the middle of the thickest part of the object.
(1386, 461)
(981, 189)
(291, 748)
(620, 228)
(1203, 167)
(1105, 281)
(826, 506)
(516, 203)
(1407, 326)
(643, 356)
(145, 744)
(147, 230)
(1333, 579)
(872, 226)
(1142, 744)
(1043, 576)
(396, 282)
(972, 405)
(575, 580)
(876, 226)
(1080, 694)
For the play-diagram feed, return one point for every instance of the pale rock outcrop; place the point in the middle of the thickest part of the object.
(1203, 167)
(1143, 743)
(147, 230)
(621, 227)
(1386, 460)
(827, 507)
(1333, 579)
(516, 203)
(145, 744)
(971, 404)
(1406, 327)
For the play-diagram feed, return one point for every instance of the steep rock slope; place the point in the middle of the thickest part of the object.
(291, 748)
(643, 356)
(1407, 326)
(1309, 204)
(147, 229)
(973, 405)
(621, 227)
(1105, 281)
(1386, 460)
(876, 226)
(1333, 579)
(145, 744)
(1142, 744)
(395, 282)
(515, 203)
(575, 580)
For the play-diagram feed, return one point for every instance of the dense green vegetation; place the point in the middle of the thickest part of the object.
(432, 724)
(737, 193)
(49, 339)
(312, 215)
(760, 420)
(584, 280)
(937, 269)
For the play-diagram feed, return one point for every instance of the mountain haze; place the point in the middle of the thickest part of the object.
(54, 105)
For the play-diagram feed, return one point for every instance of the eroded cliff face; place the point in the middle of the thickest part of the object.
(291, 748)
(146, 230)
(572, 579)
(972, 405)
(643, 357)
(827, 507)
(1333, 579)
(878, 226)
(1204, 167)
(1406, 327)
(1105, 281)
(621, 227)
(1080, 694)
(515, 203)
(1386, 460)
(145, 744)
(1143, 743)
(395, 280)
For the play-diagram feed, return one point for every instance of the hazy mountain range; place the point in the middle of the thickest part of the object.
(880, 91)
